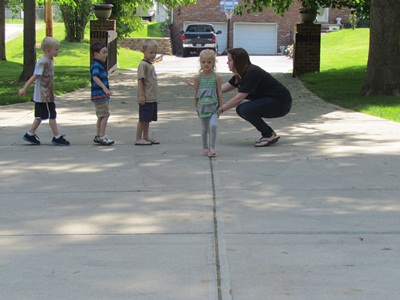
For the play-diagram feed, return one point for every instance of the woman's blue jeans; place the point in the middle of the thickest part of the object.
(253, 111)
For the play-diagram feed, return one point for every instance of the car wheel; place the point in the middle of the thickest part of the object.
(185, 52)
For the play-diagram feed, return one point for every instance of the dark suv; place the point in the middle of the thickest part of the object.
(197, 37)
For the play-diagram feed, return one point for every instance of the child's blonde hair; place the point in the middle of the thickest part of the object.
(149, 44)
(207, 53)
(49, 43)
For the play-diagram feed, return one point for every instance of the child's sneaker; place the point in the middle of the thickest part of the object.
(33, 139)
(97, 139)
(61, 141)
(104, 140)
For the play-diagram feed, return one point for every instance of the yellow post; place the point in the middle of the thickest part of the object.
(49, 18)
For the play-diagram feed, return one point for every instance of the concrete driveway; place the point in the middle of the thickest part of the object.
(271, 63)
(315, 216)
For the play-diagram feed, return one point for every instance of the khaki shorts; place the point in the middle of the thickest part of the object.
(102, 108)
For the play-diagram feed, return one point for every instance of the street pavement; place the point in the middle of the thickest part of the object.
(13, 30)
(315, 216)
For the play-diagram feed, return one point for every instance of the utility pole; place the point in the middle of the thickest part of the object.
(48, 18)
(229, 6)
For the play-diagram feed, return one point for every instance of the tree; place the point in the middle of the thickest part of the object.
(128, 21)
(29, 35)
(76, 15)
(2, 30)
(383, 68)
(281, 6)
(123, 12)
(14, 5)
(29, 40)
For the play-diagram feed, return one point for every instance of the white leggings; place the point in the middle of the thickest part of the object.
(209, 131)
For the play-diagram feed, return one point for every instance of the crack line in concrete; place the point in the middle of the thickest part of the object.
(216, 246)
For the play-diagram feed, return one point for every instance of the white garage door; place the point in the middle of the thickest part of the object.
(256, 38)
(221, 38)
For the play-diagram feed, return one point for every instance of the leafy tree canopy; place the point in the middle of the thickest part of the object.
(281, 6)
(76, 13)
(127, 20)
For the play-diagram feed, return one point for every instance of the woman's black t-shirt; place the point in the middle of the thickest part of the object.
(260, 84)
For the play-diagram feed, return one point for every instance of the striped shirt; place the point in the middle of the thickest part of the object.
(98, 69)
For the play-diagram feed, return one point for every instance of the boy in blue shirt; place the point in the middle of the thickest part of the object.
(101, 93)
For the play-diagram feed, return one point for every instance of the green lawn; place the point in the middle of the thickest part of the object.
(71, 65)
(344, 56)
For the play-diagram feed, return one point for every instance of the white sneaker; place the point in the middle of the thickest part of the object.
(104, 140)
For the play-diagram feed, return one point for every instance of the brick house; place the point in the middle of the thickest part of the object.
(258, 33)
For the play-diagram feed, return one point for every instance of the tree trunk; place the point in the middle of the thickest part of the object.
(383, 68)
(75, 19)
(29, 40)
(2, 30)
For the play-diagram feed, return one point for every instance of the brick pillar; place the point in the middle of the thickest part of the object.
(99, 28)
(307, 49)
(102, 31)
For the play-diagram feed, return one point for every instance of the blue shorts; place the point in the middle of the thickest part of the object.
(148, 112)
(45, 110)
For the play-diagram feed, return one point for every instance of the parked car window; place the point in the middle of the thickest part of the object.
(197, 28)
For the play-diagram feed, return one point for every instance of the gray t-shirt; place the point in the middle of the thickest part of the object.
(147, 72)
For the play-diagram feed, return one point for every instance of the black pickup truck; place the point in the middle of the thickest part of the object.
(197, 37)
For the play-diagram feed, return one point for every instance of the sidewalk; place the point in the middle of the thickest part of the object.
(315, 216)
